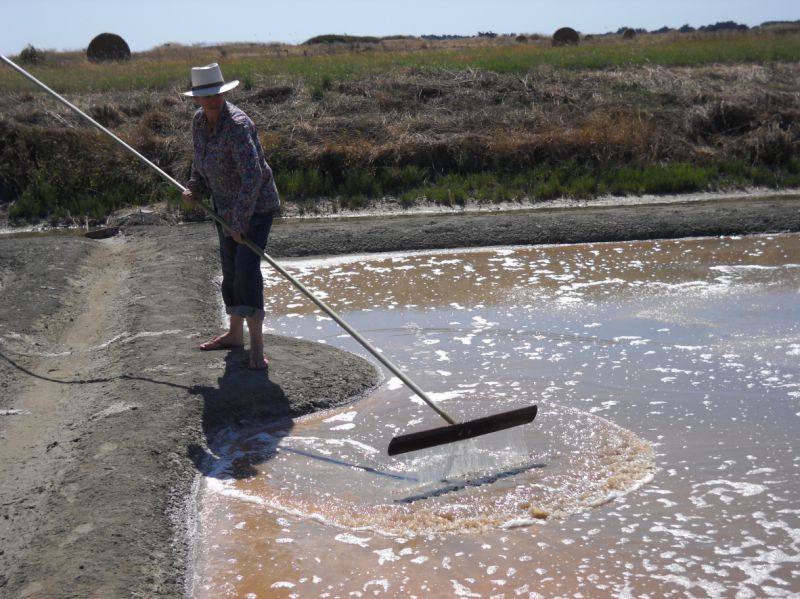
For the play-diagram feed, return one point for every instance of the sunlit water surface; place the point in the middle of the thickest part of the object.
(662, 462)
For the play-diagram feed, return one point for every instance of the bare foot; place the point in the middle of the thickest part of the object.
(258, 361)
(224, 341)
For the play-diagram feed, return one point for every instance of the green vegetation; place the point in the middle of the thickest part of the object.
(48, 197)
(568, 180)
(343, 39)
(69, 176)
(350, 60)
(450, 122)
(32, 55)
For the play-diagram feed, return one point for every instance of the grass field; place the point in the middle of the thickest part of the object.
(167, 67)
(450, 122)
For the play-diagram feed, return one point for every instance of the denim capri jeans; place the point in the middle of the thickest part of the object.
(242, 283)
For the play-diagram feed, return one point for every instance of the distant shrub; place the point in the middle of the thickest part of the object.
(444, 37)
(724, 26)
(566, 36)
(344, 39)
(629, 33)
(32, 55)
(108, 46)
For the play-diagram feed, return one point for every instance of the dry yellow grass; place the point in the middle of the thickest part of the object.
(353, 129)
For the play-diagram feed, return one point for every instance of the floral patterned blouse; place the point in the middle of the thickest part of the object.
(230, 165)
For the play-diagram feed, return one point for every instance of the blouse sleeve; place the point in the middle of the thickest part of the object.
(248, 166)
(197, 182)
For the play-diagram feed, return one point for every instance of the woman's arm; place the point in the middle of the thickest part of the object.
(248, 165)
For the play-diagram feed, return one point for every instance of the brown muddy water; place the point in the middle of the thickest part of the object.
(663, 462)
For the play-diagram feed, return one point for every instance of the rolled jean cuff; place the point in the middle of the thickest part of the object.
(246, 312)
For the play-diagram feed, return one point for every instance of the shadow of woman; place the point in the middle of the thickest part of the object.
(243, 400)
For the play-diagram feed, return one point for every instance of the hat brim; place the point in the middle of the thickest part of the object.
(212, 91)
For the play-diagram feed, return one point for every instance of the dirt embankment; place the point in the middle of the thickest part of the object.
(107, 409)
(540, 226)
(393, 134)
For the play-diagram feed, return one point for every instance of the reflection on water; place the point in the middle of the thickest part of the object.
(681, 352)
(577, 460)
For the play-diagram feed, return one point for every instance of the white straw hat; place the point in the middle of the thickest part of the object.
(208, 81)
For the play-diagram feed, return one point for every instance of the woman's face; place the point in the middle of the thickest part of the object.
(212, 105)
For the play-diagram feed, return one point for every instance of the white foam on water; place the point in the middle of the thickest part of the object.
(458, 487)
(741, 488)
(283, 585)
(386, 555)
(350, 539)
(394, 383)
(440, 397)
(726, 393)
(343, 427)
(343, 417)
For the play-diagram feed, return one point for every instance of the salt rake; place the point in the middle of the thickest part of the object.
(454, 431)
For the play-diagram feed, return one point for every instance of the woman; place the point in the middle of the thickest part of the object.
(229, 165)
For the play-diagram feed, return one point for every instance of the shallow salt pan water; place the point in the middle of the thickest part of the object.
(662, 463)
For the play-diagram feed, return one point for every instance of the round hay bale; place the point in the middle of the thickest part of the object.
(629, 34)
(566, 36)
(108, 46)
